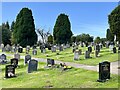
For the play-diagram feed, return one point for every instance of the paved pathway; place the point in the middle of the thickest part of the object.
(114, 65)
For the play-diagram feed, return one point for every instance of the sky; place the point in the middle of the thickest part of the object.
(85, 17)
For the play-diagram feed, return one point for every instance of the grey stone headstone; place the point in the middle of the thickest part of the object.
(8, 47)
(3, 59)
(27, 49)
(34, 52)
(17, 56)
(60, 48)
(96, 53)
(32, 65)
(53, 49)
(87, 54)
(76, 55)
(111, 47)
(27, 58)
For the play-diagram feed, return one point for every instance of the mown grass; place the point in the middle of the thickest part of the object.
(55, 78)
(67, 56)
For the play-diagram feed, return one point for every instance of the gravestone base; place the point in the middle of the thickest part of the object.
(101, 80)
(4, 62)
(10, 77)
(49, 67)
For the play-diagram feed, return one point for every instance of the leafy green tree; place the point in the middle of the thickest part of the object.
(6, 36)
(84, 37)
(50, 39)
(12, 26)
(24, 29)
(97, 40)
(109, 35)
(114, 22)
(73, 39)
(7, 25)
(0, 35)
(62, 30)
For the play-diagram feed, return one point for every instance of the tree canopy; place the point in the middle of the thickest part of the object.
(114, 22)
(24, 29)
(84, 37)
(62, 30)
(109, 35)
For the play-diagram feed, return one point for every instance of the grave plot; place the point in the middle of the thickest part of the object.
(73, 78)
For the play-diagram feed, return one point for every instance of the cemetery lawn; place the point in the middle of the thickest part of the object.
(55, 78)
(67, 56)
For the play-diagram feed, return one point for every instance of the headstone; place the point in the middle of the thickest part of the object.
(87, 54)
(9, 71)
(49, 47)
(76, 55)
(111, 47)
(8, 48)
(2, 47)
(107, 44)
(68, 45)
(17, 55)
(86, 44)
(27, 58)
(13, 49)
(34, 52)
(60, 48)
(96, 53)
(80, 51)
(53, 49)
(73, 49)
(101, 45)
(119, 49)
(44, 50)
(90, 49)
(34, 47)
(97, 47)
(81, 44)
(14, 62)
(27, 49)
(64, 46)
(3, 59)
(104, 71)
(114, 50)
(20, 49)
(50, 62)
(32, 66)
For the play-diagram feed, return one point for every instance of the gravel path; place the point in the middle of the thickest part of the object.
(114, 65)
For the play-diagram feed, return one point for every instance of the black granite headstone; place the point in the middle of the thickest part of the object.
(90, 49)
(14, 62)
(50, 62)
(10, 71)
(20, 49)
(114, 50)
(104, 71)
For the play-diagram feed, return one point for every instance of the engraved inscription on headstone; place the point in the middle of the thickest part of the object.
(104, 71)
(32, 66)
(50, 62)
(14, 62)
(9, 71)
